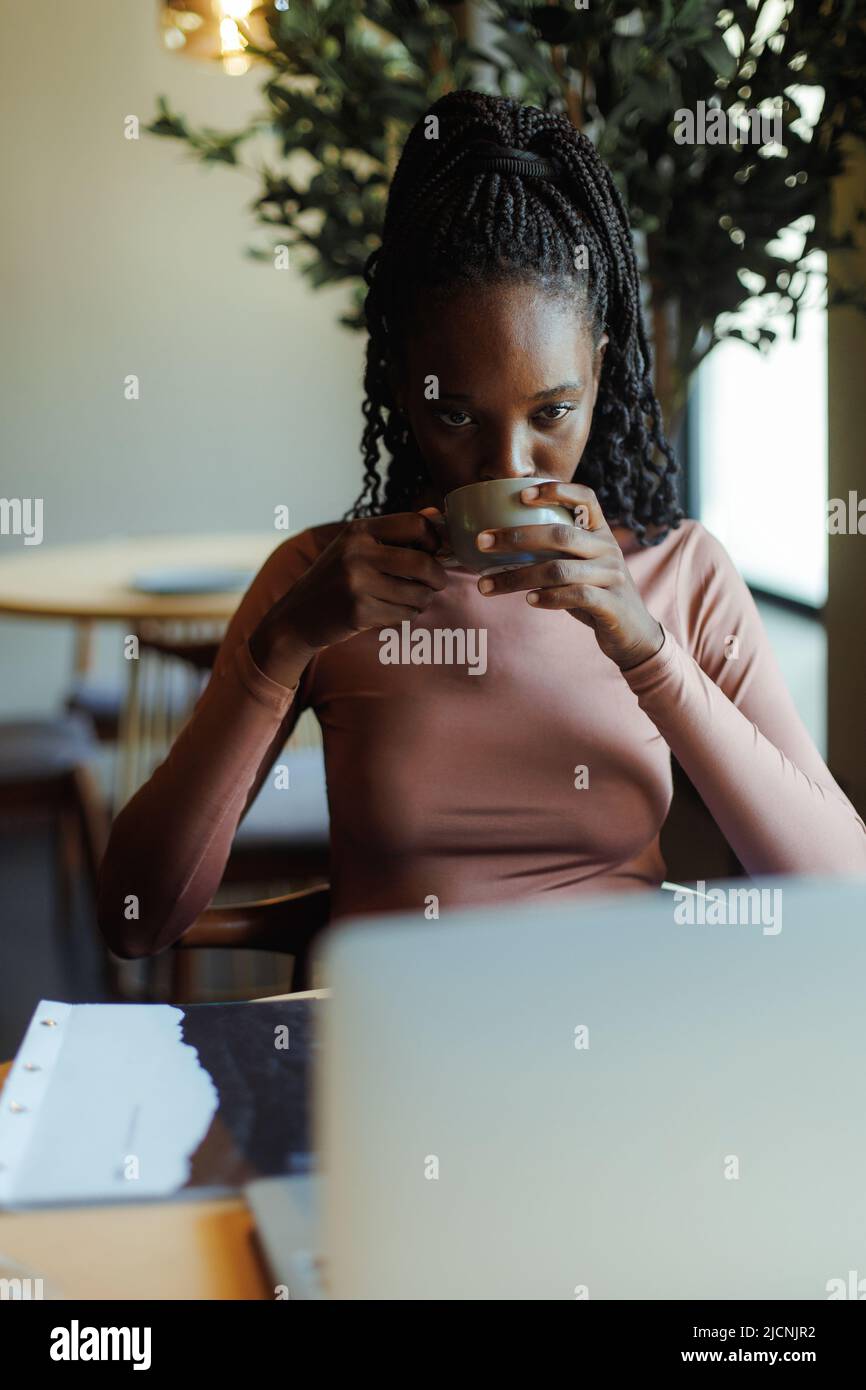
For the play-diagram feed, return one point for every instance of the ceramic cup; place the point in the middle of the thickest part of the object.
(489, 506)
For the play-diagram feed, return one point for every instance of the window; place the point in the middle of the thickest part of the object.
(760, 444)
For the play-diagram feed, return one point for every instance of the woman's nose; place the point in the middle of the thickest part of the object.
(507, 459)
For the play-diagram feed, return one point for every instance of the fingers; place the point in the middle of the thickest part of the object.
(584, 600)
(437, 519)
(581, 499)
(549, 577)
(391, 615)
(400, 593)
(403, 528)
(558, 539)
(414, 565)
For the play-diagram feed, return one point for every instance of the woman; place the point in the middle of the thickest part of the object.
(505, 342)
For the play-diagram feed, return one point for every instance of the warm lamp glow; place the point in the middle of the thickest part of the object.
(231, 38)
(210, 29)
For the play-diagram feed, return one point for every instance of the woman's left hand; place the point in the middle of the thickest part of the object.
(586, 574)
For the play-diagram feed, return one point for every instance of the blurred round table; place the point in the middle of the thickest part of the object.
(96, 581)
(93, 580)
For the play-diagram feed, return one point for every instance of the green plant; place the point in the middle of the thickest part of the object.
(720, 225)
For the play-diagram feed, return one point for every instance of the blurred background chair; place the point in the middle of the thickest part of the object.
(62, 779)
(286, 925)
(282, 846)
(47, 783)
(693, 847)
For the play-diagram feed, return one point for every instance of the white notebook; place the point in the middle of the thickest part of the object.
(127, 1102)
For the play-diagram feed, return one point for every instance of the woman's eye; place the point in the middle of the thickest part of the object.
(562, 411)
(455, 418)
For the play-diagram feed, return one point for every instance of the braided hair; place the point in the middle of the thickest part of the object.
(450, 223)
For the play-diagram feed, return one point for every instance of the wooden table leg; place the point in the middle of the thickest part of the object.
(126, 769)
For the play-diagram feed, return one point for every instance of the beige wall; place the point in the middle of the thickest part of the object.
(121, 257)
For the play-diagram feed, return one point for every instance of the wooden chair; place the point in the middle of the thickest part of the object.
(270, 853)
(102, 700)
(692, 845)
(287, 925)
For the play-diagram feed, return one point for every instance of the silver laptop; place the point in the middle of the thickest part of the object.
(648, 1096)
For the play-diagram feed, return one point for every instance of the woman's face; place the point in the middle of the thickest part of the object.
(517, 380)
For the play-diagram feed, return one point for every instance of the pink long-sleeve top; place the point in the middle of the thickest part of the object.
(549, 774)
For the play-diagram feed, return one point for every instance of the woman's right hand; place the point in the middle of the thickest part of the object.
(377, 572)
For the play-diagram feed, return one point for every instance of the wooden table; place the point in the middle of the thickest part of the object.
(178, 1250)
(94, 582)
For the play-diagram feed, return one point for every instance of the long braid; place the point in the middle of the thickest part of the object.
(446, 226)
